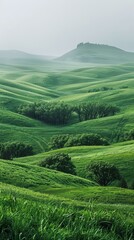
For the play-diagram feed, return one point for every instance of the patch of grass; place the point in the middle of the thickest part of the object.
(30, 217)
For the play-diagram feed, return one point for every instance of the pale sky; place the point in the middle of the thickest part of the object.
(53, 27)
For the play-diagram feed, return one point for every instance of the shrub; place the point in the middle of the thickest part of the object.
(60, 162)
(103, 173)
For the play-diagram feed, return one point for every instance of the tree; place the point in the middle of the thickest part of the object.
(15, 149)
(58, 141)
(60, 162)
(104, 173)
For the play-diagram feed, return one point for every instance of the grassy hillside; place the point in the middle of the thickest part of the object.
(37, 178)
(121, 155)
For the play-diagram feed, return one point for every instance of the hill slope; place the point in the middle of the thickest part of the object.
(98, 53)
(37, 178)
(121, 155)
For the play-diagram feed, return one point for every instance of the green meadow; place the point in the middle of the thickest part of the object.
(37, 203)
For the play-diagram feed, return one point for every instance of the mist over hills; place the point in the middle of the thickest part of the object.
(83, 53)
(15, 57)
(16, 54)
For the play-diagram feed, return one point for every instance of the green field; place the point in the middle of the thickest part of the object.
(38, 203)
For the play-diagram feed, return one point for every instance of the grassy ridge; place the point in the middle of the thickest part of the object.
(121, 155)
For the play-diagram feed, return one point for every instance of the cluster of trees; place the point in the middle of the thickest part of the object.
(15, 149)
(87, 111)
(60, 113)
(60, 162)
(100, 89)
(66, 140)
(48, 112)
(121, 135)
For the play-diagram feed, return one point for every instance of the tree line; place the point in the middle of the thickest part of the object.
(93, 110)
(10, 150)
(48, 112)
(66, 140)
(58, 113)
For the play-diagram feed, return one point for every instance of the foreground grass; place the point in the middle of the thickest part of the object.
(27, 215)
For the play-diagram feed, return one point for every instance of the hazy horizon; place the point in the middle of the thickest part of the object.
(49, 27)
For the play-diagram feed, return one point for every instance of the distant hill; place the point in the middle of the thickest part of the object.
(15, 54)
(13, 57)
(97, 53)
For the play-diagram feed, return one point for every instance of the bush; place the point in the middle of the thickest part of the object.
(60, 162)
(15, 149)
(103, 173)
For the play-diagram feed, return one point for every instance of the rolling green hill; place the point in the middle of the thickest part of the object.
(98, 53)
(75, 86)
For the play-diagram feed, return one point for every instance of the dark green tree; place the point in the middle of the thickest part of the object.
(60, 162)
(15, 149)
(58, 141)
(103, 173)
